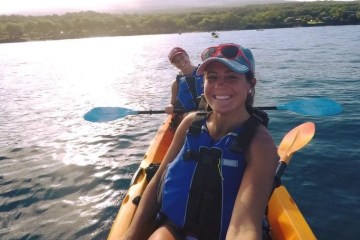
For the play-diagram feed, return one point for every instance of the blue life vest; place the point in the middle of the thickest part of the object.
(190, 87)
(200, 186)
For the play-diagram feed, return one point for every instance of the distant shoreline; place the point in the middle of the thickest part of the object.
(18, 28)
(3, 41)
(13, 40)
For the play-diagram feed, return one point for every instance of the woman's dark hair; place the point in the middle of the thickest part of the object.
(250, 97)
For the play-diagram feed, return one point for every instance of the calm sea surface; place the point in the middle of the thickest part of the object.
(64, 178)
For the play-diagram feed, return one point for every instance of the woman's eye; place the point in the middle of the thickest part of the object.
(231, 78)
(211, 78)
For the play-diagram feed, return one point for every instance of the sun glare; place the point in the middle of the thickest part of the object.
(55, 6)
(16, 6)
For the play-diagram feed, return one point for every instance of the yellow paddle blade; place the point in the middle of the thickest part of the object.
(296, 139)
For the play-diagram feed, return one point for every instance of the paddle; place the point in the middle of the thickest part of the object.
(310, 107)
(293, 141)
(106, 114)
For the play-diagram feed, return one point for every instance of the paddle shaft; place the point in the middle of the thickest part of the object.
(279, 172)
(179, 111)
(152, 112)
(157, 111)
(267, 108)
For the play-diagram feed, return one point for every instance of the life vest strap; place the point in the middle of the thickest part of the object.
(196, 126)
(242, 142)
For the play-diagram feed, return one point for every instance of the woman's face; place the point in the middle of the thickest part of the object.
(225, 91)
(181, 61)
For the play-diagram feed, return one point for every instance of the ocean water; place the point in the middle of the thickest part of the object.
(62, 177)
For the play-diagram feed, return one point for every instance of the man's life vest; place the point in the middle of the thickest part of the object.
(189, 89)
(200, 186)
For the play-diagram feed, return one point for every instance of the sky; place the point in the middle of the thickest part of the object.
(26, 7)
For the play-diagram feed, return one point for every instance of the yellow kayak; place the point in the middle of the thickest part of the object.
(285, 219)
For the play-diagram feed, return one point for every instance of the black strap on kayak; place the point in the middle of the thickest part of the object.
(149, 173)
(151, 170)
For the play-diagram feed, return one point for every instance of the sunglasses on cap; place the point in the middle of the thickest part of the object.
(228, 51)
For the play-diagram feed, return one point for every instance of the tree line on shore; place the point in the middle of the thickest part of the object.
(15, 28)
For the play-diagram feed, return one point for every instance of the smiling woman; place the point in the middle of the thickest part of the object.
(29, 7)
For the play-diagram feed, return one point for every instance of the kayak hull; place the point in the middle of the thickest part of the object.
(285, 219)
(154, 155)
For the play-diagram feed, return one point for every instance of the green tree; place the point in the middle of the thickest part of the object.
(14, 30)
(209, 23)
(90, 24)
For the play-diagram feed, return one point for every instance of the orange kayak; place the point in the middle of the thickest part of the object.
(285, 219)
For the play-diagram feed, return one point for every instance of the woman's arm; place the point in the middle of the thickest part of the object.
(143, 223)
(255, 188)
(174, 90)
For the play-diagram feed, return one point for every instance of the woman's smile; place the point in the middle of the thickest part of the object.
(222, 97)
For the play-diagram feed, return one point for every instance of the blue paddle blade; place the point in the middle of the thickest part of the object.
(313, 107)
(106, 114)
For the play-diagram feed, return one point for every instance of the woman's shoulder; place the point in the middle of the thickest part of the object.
(263, 136)
(188, 119)
(263, 143)
(181, 130)
(186, 122)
